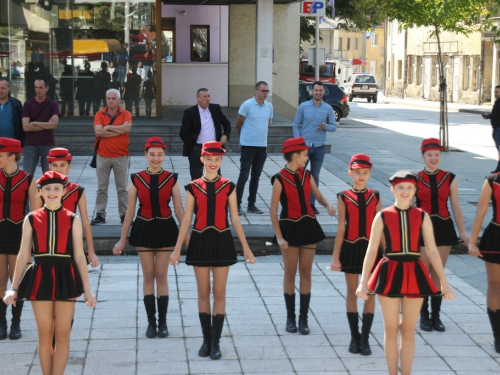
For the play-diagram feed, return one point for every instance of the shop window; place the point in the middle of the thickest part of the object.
(200, 43)
(168, 40)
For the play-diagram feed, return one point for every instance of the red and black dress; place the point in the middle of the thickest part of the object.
(401, 272)
(298, 223)
(361, 208)
(154, 226)
(211, 243)
(54, 275)
(433, 191)
(73, 194)
(490, 241)
(13, 198)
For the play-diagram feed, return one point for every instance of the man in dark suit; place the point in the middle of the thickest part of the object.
(202, 123)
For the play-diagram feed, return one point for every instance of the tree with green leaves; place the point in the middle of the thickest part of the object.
(458, 16)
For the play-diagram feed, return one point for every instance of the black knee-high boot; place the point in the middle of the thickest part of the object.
(495, 327)
(217, 324)
(15, 328)
(162, 302)
(291, 325)
(353, 320)
(150, 305)
(364, 346)
(304, 310)
(3, 320)
(436, 309)
(425, 323)
(206, 328)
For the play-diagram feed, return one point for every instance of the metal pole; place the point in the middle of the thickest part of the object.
(316, 51)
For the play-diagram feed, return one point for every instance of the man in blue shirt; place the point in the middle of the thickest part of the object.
(312, 120)
(254, 117)
(11, 111)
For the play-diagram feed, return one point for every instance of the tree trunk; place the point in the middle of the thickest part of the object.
(443, 97)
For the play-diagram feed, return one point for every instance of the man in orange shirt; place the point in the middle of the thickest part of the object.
(111, 126)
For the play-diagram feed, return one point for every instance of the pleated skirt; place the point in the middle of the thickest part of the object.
(402, 278)
(51, 279)
(154, 234)
(490, 241)
(211, 248)
(10, 237)
(306, 231)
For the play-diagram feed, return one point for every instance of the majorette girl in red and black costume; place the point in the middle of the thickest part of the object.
(58, 275)
(435, 187)
(357, 208)
(154, 231)
(297, 230)
(74, 197)
(16, 188)
(211, 246)
(489, 249)
(401, 273)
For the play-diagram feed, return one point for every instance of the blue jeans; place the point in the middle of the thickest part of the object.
(31, 154)
(496, 138)
(316, 156)
(252, 158)
(121, 74)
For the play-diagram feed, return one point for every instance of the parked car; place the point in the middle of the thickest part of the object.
(333, 96)
(362, 85)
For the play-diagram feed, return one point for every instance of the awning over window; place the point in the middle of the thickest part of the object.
(90, 46)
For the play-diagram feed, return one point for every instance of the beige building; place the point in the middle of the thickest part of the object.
(365, 50)
(413, 72)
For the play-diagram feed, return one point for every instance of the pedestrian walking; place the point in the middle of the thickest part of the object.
(58, 275)
(16, 188)
(84, 90)
(357, 208)
(434, 189)
(297, 230)
(312, 120)
(132, 91)
(401, 279)
(67, 91)
(149, 93)
(254, 117)
(489, 249)
(494, 117)
(211, 247)
(123, 59)
(154, 230)
(101, 85)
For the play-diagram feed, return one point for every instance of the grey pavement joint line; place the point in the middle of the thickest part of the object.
(231, 337)
(324, 333)
(272, 319)
(182, 321)
(92, 318)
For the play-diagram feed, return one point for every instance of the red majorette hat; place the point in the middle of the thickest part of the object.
(212, 149)
(294, 144)
(59, 154)
(52, 177)
(431, 144)
(10, 145)
(155, 142)
(403, 176)
(360, 161)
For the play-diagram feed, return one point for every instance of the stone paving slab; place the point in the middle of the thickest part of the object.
(110, 339)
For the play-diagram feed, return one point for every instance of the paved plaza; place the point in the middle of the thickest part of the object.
(111, 338)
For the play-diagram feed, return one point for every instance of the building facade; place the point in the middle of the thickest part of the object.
(180, 46)
(412, 69)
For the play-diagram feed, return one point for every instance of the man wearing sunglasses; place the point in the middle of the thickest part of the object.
(254, 117)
